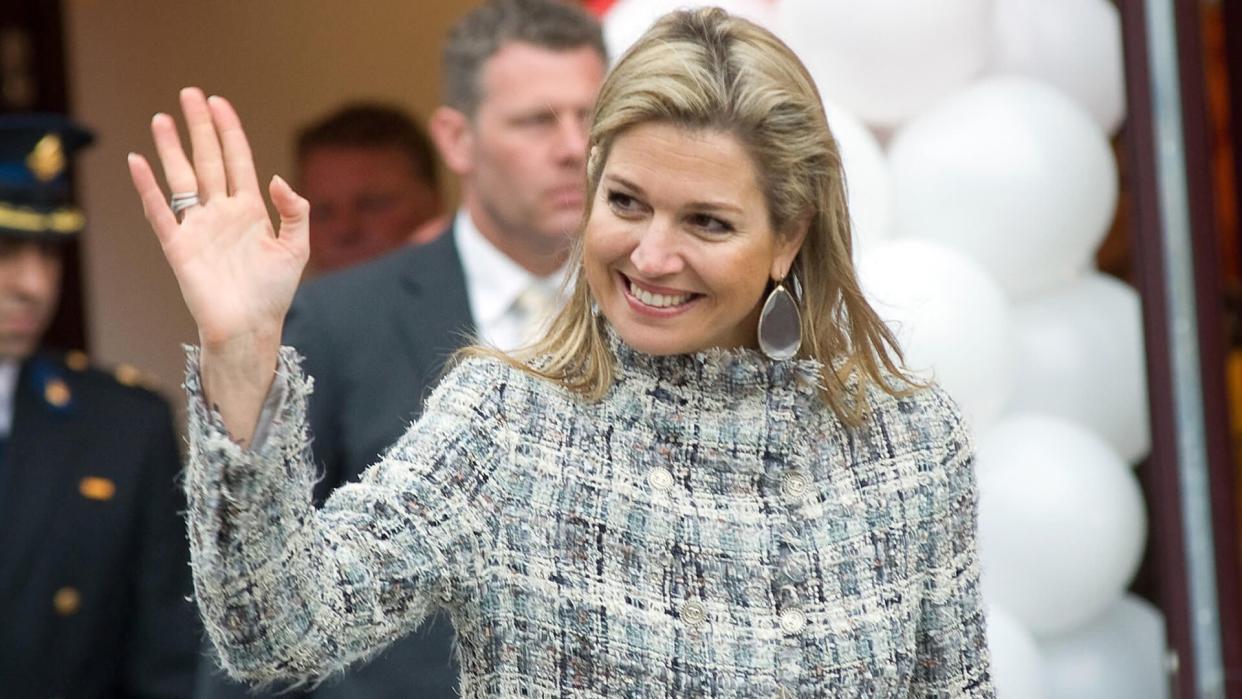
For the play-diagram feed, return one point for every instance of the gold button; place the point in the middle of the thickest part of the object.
(693, 612)
(792, 620)
(96, 488)
(659, 478)
(57, 393)
(795, 484)
(66, 601)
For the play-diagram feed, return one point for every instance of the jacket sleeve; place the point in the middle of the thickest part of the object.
(161, 652)
(953, 658)
(288, 592)
(307, 330)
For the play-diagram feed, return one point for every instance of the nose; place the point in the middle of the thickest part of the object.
(340, 226)
(571, 140)
(656, 254)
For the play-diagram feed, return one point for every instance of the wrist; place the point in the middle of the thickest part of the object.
(247, 347)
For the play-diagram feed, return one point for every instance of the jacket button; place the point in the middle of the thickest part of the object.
(66, 601)
(659, 478)
(693, 612)
(792, 620)
(795, 484)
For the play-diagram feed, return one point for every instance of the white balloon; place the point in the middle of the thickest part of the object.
(950, 318)
(869, 185)
(886, 60)
(1074, 45)
(1017, 664)
(1061, 522)
(626, 21)
(1012, 173)
(1118, 655)
(1081, 357)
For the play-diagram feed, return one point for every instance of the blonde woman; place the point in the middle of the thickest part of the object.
(712, 478)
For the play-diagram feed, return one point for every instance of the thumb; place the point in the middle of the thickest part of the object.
(294, 213)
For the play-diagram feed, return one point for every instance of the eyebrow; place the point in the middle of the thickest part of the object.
(699, 205)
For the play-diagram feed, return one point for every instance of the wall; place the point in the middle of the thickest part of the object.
(279, 61)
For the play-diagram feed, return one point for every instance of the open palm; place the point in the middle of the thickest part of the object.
(236, 273)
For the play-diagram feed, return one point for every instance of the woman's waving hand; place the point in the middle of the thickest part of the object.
(236, 272)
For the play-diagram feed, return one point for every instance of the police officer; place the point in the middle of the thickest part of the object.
(94, 577)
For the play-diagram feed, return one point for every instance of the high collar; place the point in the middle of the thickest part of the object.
(735, 371)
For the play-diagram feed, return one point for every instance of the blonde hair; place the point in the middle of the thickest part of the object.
(705, 69)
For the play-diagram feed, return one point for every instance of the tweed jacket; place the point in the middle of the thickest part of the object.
(707, 529)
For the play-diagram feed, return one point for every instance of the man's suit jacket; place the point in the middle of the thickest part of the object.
(94, 568)
(375, 339)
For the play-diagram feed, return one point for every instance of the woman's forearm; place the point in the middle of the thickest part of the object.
(236, 379)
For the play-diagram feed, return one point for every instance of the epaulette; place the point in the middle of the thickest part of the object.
(124, 374)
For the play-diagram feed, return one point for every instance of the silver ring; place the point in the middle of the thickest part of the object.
(181, 201)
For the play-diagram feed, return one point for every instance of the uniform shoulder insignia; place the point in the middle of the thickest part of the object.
(123, 373)
(77, 360)
(130, 375)
(127, 374)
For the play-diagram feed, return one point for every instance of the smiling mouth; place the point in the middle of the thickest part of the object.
(654, 300)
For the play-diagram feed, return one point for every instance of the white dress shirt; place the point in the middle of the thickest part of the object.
(9, 370)
(503, 295)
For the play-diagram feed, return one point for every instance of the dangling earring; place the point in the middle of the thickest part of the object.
(780, 324)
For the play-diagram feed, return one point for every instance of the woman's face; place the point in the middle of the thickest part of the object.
(678, 248)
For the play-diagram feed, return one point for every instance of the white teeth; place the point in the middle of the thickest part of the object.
(657, 300)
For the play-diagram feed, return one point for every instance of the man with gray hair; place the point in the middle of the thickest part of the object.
(519, 78)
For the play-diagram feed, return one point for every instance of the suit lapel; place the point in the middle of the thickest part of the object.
(40, 462)
(434, 319)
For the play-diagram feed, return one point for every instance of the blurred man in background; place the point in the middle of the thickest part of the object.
(94, 569)
(369, 173)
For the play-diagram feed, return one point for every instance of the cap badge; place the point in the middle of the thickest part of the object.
(47, 159)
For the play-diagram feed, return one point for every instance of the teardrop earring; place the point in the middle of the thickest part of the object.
(780, 324)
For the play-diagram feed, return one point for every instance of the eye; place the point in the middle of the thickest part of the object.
(711, 224)
(536, 120)
(623, 204)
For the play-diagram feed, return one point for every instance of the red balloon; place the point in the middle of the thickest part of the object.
(599, 8)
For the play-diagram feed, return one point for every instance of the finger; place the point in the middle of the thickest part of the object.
(177, 169)
(294, 212)
(161, 218)
(238, 161)
(208, 164)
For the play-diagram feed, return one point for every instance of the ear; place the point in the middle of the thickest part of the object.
(454, 138)
(788, 244)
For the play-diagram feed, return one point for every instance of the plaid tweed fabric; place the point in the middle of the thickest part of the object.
(708, 529)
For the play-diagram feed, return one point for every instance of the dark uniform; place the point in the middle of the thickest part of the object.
(94, 574)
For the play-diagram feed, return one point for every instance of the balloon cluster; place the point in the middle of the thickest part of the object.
(975, 137)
